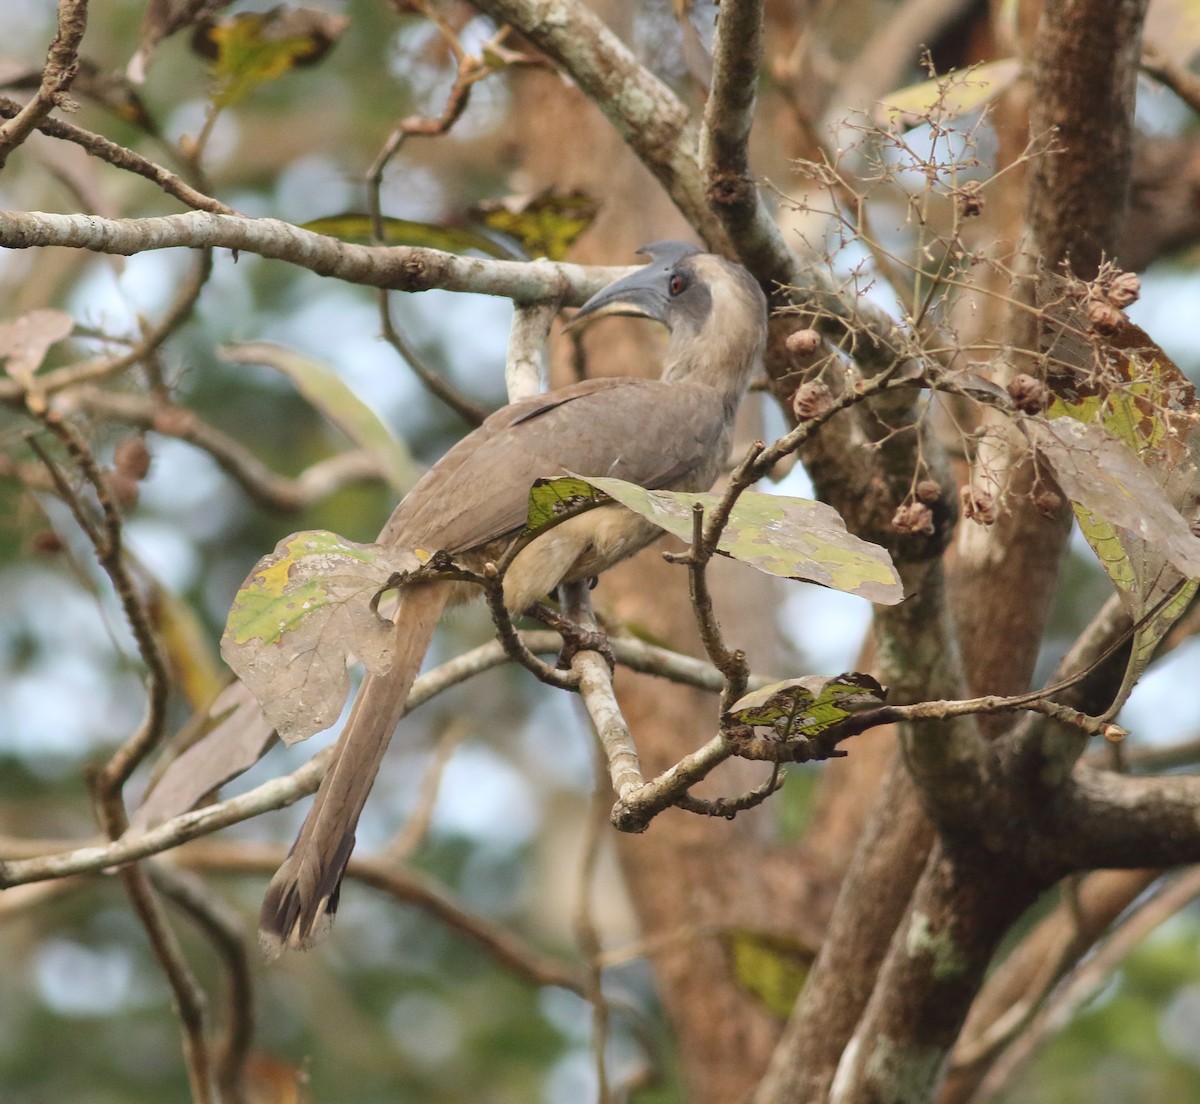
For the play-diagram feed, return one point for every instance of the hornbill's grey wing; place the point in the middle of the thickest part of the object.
(648, 432)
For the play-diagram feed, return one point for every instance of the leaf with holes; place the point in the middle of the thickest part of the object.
(809, 706)
(795, 538)
(552, 499)
(298, 617)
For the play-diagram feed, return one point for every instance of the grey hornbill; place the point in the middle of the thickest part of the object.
(672, 433)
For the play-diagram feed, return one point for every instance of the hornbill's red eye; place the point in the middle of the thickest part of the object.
(676, 284)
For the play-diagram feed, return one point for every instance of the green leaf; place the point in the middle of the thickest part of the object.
(769, 967)
(353, 226)
(299, 615)
(545, 225)
(795, 538)
(326, 390)
(806, 707)
(550, 499)
(253, 48)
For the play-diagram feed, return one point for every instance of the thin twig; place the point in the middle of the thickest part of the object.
(96, 145)
(434, 382)
(106, 367)
(417, 826)
(60, 70)
(280, 792)
(190, 1002)
(404, 884)
(263, 486)
(223, 929)
(586, 933)
(1092, 974)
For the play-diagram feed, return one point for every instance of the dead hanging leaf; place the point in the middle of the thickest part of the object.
(545, 225)
(795, 538)
(299, 616)
(1122, 380)
(803, 708)
(25, 341)
(357, 227)
(253, 48)
(326, 391)
(238, 736)
(1104, 476)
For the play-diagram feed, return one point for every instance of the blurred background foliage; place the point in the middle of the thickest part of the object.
(395, 1007)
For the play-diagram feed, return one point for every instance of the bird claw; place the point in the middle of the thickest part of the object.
(575, 638)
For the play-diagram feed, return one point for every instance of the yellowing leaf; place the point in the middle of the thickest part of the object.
(188, 648)
(356, 227)
(550, 499)
(298, 617)
(795, 538)
(545, 225)
(252, 48)
(1124, 383)
(769, 967)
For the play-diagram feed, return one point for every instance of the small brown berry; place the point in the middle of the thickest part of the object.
(122, 488)
(803, 342)
(132, 458)
(929, 491)
(913, 517)
(1105, 318)
(1124, 289)
(1028, 394)
(47, 542)
(978, 505)
(811, 400)
(1048, 503)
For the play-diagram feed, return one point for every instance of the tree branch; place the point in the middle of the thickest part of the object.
(402, 268)
(61, 68)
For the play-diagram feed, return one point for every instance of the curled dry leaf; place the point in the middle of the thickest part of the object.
(1105, 477)
(811, 400)
(25, 341)
(978, 505)
(1029, 394)
(913, 517)
(1104, 317)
